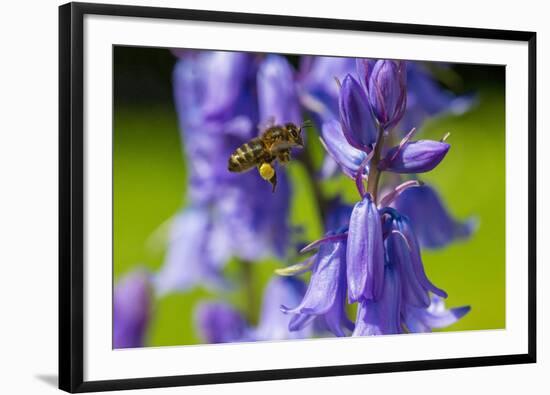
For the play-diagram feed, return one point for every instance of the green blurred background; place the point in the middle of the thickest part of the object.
(149, 188)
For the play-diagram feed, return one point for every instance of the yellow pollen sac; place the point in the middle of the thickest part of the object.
(267, 171)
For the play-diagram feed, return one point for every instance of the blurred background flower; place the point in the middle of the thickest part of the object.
(220, 322)
(220, 98)
(132, 305)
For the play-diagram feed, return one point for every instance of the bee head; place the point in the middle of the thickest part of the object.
(295, 134)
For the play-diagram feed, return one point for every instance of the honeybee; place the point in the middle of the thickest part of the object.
(273, 144)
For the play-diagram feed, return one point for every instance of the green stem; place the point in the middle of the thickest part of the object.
(374, 173)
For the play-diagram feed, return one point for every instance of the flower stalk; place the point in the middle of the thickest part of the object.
(374, 174)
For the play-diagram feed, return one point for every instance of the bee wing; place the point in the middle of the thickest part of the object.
(268, 123)
(279, 146)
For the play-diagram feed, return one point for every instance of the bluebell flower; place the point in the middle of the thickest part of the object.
(414, 157)
(426, 98)
(381, 269)
(432, 223)
(363, 68)
(216, 97)
(386, 85)
(132, 301)
(365, 252)
(326, 294)
(219, 322)
(277, 94)
(209, 134)
(403, 253)
(405, 303)
(347, 157)
(356, 118)
(212, 88)
(383, 316)
(436, 316)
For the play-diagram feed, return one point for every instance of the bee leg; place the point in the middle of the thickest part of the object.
(273, 181)
(284, 157)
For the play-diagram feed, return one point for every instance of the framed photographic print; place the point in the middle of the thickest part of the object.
(258, 197)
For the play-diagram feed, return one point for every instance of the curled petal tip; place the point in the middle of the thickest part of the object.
(415, 157)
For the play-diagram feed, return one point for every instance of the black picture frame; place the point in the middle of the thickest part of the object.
(71, 195)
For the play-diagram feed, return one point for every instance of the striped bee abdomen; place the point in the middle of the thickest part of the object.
(247, 156)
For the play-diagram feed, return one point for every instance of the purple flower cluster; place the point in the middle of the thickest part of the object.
(319, 94)
(374, 260)
(370, 254)
(221, 99)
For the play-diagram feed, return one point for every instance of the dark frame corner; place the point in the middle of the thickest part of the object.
(71, 224)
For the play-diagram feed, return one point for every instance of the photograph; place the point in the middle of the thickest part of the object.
(284, 197)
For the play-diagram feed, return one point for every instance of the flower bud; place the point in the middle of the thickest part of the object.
(364, 67)
(132, 302)
(387, 91)
(415, 157)
(356, 117)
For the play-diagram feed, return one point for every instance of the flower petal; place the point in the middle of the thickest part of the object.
(224, 76)
(348, 157)
(277, 95)
(383, 316)
(415, 157)
(400, 256)
(432, 223)
(416, 259)
(325, 280)
(387, 91)
(364, 69)
(336, 319)
(365, 252)
(273, 323)
(435, 316)
(326, 293)
(358, 125)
